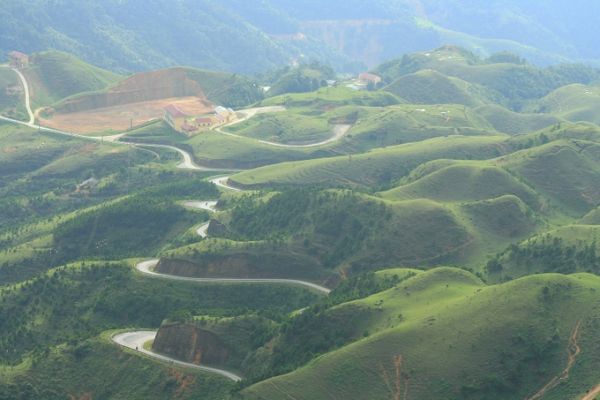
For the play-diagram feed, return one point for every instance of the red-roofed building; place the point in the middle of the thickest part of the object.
(367, 78)
(16, 59)
(191, 125)
(175, 117)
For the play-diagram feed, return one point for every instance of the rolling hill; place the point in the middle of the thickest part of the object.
(432, 87)
(502, 341)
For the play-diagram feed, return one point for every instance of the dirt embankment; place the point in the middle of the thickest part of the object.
(246, 265)
(142, 87)
(191, 344)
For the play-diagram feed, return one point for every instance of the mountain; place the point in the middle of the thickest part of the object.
(256, 35)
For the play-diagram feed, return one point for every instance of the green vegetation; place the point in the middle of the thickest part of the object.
(72, 304)
(333, 96)
(513, 123)
(12, 99)
(305, 78)
(286, 128)
(574, 103)
(461, 181)
(506, 341)
(55, 75)
(431, 87)
(376, 169)
(512, 84)
(82, 370)
(439, 168)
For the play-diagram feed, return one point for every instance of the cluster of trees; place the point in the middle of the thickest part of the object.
(133, 227)
(548, 254)
(333, 226)
(301, 79)
(73, 304)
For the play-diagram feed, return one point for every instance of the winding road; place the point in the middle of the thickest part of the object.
(209, 206)
(136, 340)
(222, 182)
(339, 131)
(147, 268)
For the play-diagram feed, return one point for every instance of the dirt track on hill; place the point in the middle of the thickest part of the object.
(592, 394)
(574, 350)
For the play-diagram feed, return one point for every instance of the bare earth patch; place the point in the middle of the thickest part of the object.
(120, 118)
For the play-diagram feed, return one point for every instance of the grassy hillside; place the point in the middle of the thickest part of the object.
(573, 102)
(593, 218)
(568, 249)
(513, 123)
(508, 342)
(432, 87)
(291, 127)
(564, 171)
(463, 181)
(55, 75)
(406, 123)
(329, 97)
(515, 83)
(377, 168)
(12, 99)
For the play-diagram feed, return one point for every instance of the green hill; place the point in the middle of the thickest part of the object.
(568, 249)
(513, 123)
(12, 99)
(499, 342)
(514, 83)
(406, 123)
(432, 87)
(376, 168)
(330, 97)
(55, 75)
(461, 182)
(564, 171)
(574, 103)
(593, 218)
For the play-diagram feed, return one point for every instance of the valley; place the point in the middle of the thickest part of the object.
(326, 244)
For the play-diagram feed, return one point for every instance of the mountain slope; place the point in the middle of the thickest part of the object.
(499, 342)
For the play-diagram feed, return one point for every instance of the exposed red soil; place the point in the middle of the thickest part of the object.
(121, 117)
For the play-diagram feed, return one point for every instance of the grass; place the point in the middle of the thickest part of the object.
(510, 122)
(462, 181)
(55, 75)
(432, 87)
(592, 218)
(376, 168)
(565, 171)
(328, 97)
(12, 104)
(380, 127)
(503, 341)
(286, 128)
(574, 103)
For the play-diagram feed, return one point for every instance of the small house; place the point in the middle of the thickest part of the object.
(16, 59)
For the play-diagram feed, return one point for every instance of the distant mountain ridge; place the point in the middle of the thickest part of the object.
(255, 35)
